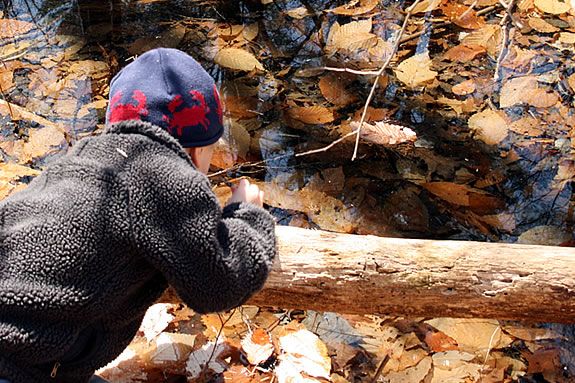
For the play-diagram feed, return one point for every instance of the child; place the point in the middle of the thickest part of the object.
(98, 236)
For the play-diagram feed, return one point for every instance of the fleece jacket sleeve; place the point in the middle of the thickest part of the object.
(214, 259)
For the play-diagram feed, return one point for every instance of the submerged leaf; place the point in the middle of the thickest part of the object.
(490, 126)
(10, 28)
(351, 9)
(311, 114)
(238, 59)
(385, 133)
(351, 36)
(416, 70)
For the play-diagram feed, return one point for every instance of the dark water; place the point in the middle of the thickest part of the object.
(382, 192)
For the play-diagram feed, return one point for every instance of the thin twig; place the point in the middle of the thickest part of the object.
(468, 10)
(380, 72)
(380, 369)
(216, 340)
(349, 70)
(12, 116)
(505, 40)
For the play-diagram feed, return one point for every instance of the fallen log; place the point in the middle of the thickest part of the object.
(354, 274)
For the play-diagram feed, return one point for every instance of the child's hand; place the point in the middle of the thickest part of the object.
(246, 192)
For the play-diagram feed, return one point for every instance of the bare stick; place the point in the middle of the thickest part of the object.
(505, 40)
(349, 70)
(380, 72)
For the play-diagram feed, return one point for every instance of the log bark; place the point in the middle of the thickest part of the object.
(355, 274)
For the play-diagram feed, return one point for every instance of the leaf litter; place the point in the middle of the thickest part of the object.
(440, 87)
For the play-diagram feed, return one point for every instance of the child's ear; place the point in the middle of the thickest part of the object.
(194, 154)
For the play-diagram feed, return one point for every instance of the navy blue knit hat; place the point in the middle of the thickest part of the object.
(168, 88)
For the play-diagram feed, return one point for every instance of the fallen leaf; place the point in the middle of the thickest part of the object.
(554, 7)
(464, 88)
(257, 345)
(544, 235)
(156, 319)
(298, 13)
(351, 36)
(464, 53)
(475, 336)
(541, 25)
(311, 114)
(335, 89)
(450, 367)
(11, 172)
(527, 126)
(11, 28)
(426, 6)
(171, 348)
(438, 341)
(413, 374)
(531, 334)
(544, 360)
(241, 374)
(208, 357)
(489, 126)
(42, 142)
(462, 15)
(567, 38)
(385, 133)
(415, 70)
(353, 9)
(526, 90)
(464, 195)
(238, 59)
(305, 352)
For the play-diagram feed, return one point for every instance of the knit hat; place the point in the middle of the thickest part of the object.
(168, 88)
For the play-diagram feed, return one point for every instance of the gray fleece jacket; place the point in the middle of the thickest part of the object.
(98, 236)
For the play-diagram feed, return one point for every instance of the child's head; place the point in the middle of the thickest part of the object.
(168, 88)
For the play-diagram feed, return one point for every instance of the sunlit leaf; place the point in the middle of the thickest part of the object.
(257, 345)
(490, 126)
(208, 357)
(412, 374)
(303, 351)
(353, 9)
(157, 318)
(438, 341)
(311, 114)
(476, 336)
(11, 171)
(426, 6)
(554, 7)
(415, 70)
(237, 59)
(453, 366)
